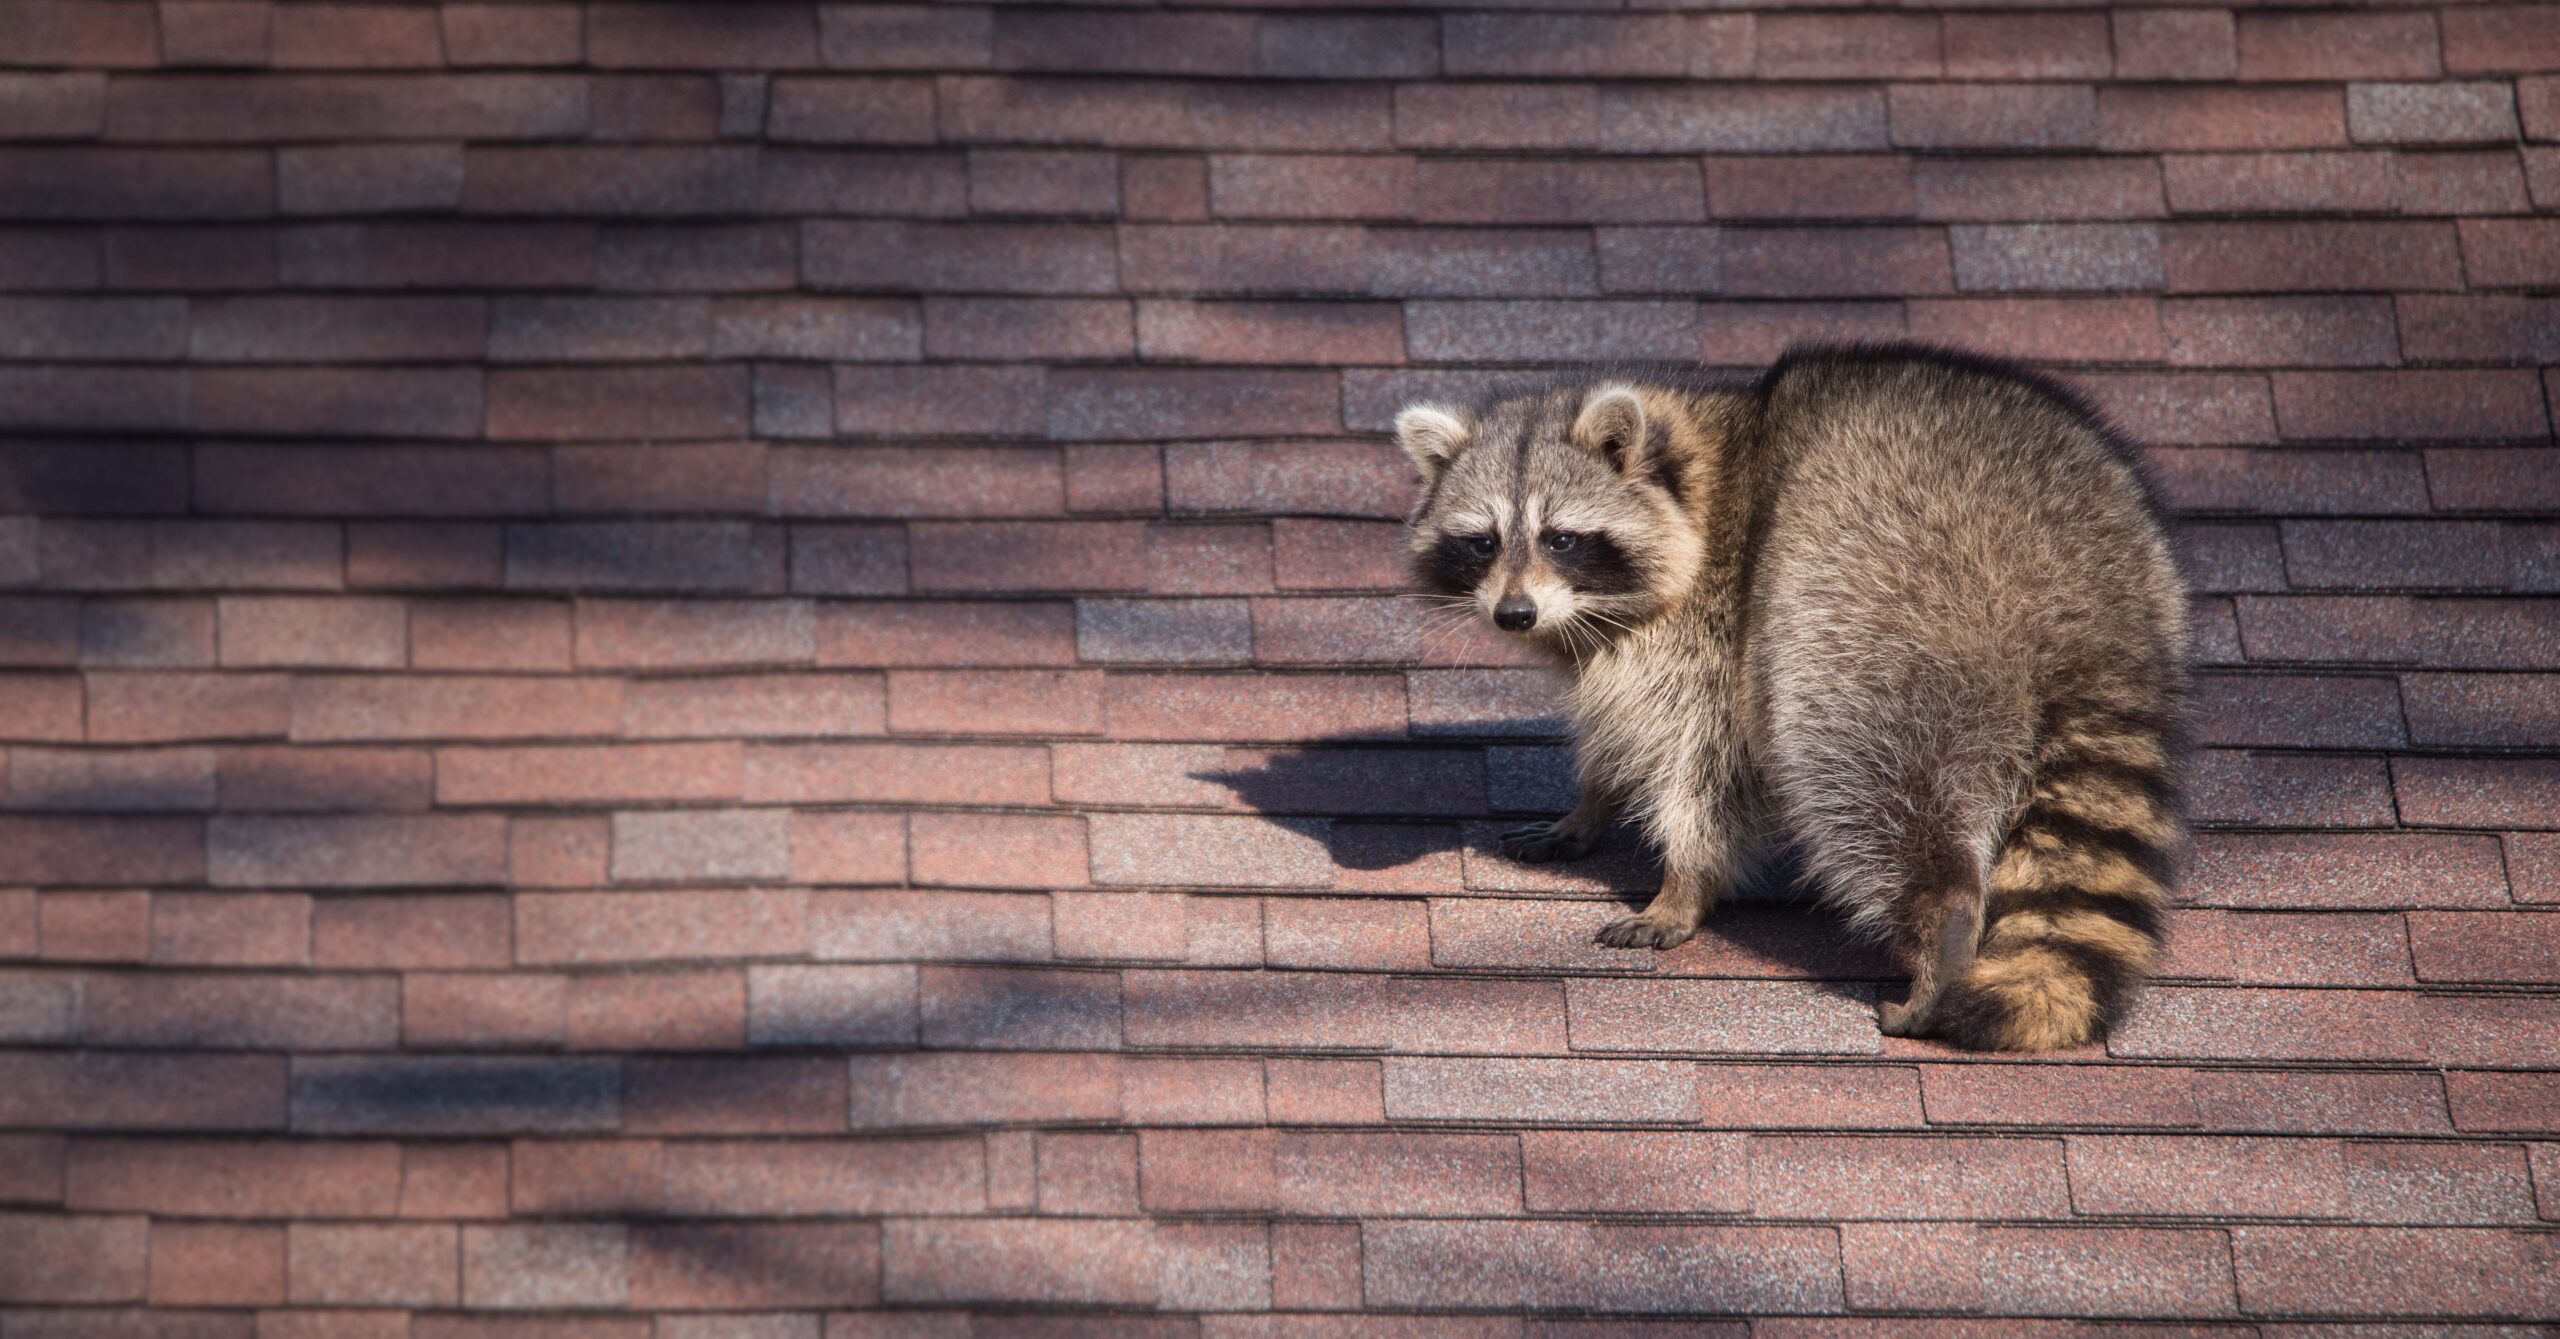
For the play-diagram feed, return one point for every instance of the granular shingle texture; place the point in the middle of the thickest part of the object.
(693, 669)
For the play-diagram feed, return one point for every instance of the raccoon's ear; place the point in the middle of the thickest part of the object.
(1612, 423)
(1431, 435)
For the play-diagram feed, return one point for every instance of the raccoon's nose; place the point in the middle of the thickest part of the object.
(1517, 613)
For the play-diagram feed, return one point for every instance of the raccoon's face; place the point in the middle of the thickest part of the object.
(1556, 517)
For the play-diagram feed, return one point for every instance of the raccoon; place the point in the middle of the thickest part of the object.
(1906, 613)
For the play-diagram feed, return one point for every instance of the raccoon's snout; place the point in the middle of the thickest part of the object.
(1516, 613)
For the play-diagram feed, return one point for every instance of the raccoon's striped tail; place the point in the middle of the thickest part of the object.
(2072, 915)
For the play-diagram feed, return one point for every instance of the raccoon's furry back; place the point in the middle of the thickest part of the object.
(1969, 641)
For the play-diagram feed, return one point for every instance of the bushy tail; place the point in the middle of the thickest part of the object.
(2071, 922)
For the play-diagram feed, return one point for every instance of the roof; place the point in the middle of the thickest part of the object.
(680, 669)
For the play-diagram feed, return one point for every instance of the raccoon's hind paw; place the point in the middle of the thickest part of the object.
(1642, 932)
(1537, 843)
(1901, 1019)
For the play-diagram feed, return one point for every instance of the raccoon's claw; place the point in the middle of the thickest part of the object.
(1641, 932)
(1537, 843)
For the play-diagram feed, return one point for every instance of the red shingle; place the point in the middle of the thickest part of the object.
(512, 34)
(2483, 328)
(229, 930)
(1533, 191)
(1359, 934)
(1635, 1171)
(2475, 792)
(373, 1265)
(2172, 44)
(180, 1092)
(2237, 1024)
(2533, 864)
(2073, 1271)
(700, 36)
(206, 1264)
(2393, 1271)
(956, 1088)
(2300, 790)
(2510, 252)
(1311, 186)
(74, 1259)
(1912, 1266)
(1982, 116)
(1827, 186)
(1168, 114)
(2442, 405)
(2308, 47)
(1315, 1266)
(1717, 1016)
(2168, 117)
(2445, 113)
(1095, 1262)
(1399, 1174)
(2485, 946)
(1837, 46)
(2439, 1183)
(2500, 38)
(2041, 1095)
(1243, 258)
(1267, 332)
(2504, 1102)
(658, 926)
(1567, 1265)
(2276, 948)
(730, 1266)
(2046, 330)
(2194, 1176)
(2259, 257)
(1048, 578)
(995, 702)
(484, 1010)
(1877, 1177)
(1324, 1092)
(1337, 45)
(1835, 262)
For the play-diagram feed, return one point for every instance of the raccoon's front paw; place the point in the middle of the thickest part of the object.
(1642, 932)
(1537, 843)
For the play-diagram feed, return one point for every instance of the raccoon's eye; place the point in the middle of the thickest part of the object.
(1483, 546)
(1562, 539)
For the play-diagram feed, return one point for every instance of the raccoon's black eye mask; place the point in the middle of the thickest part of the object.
(1455, 564)
(1592, 563)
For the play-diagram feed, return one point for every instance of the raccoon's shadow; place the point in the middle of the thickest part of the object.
(1434, 810)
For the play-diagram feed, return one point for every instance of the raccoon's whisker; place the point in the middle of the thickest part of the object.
(1594, 615)
(1462, 608)
(1427, 636)
(1442, 617)
(1580, 629)
(1437, 636)
(1437, 623)
(1599, 617)
(1574, 635)
(1453, 610)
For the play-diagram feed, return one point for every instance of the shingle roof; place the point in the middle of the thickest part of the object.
(740, 663)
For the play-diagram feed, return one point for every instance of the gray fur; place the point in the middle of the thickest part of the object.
(1893, 600)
